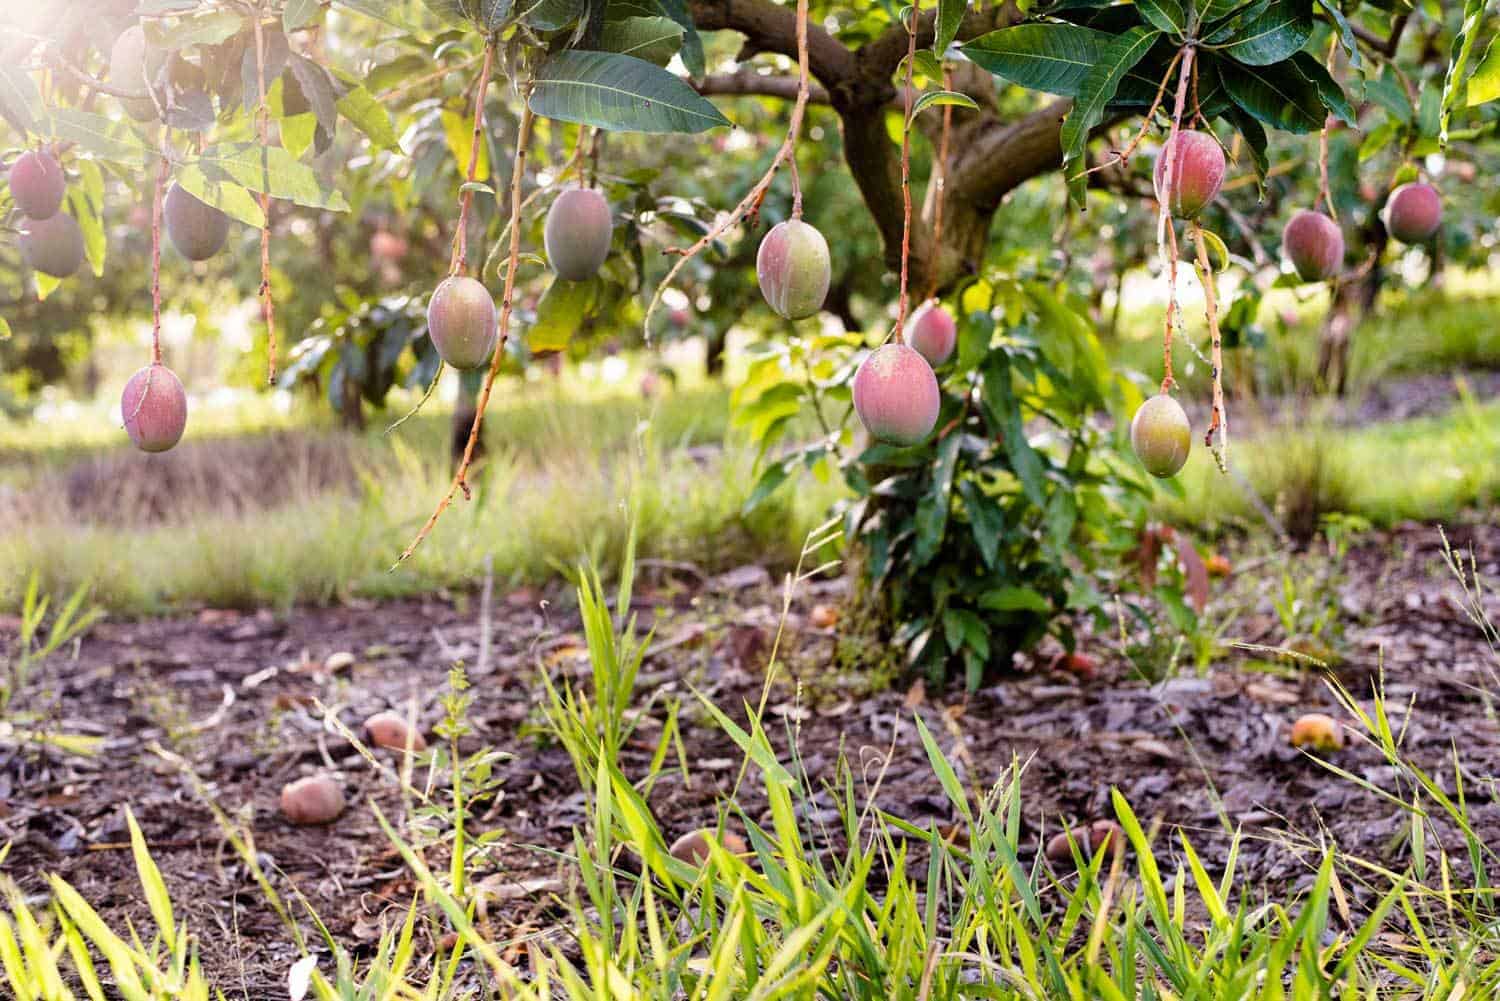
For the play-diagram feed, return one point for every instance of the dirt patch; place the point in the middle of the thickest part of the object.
(232, 695)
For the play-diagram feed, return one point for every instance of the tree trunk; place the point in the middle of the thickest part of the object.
(1352, 301)
(351, 406)
(464, 411)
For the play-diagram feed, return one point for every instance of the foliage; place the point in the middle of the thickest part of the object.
(983, 539)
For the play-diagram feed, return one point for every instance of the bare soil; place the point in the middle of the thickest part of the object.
(235, 695)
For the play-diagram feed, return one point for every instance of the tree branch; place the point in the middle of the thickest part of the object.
(747, 82)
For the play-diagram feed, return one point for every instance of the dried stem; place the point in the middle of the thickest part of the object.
(460, 481)
(461, 238)
(911, 60)
(1220, 419)
(1167, 248)
(162, 171)
(940, 180)
(263, 129)
(1323, 189)
(1124, 155)
(431, 386)
(750, 204)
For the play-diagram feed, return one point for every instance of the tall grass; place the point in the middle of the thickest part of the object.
(549, 496)
(1428, 469)
(855, 902)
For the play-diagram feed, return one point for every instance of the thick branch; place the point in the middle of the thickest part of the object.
(747, 82)
(770, 27)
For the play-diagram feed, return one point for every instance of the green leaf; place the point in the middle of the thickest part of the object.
(1279, 32)
(950, 15)
(692, 45)
(654, 39)
(369, 116)
(1165, 15)
(1004, 412)
(271, 170)
(205, 29)
(932, 510)
(552, 15)
(1014, 599)
(317, 86)
(100, 136)
(20, 102)
(619, 94)
(1049, 57)
(492, 15)
(86, 206)
(1346, 33)
(1100, 84)
(1458, 61)
(1279, 96)
(299, 14)
(448, 10)
(1484, 85)
(1333, 96)
(562, 308)
(232, 199)
(937, 97)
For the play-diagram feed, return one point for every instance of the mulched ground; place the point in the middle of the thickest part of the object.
(232, 694)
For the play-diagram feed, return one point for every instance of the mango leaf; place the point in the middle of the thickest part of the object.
(317, 87)
(1387, 91)
(20, 102)
(692, 45)
(1014, 599)
(933, 508)
(552, 15)
(1164, 15)
(1484, 85)
(459, 131)
(620, 94)
(654, 39)
(940, 97)
(86, 204)
(369, 116)
(271, 170)
(1049, 57)
(1346, 33)
(1273, 36)
(205, 29)
(492, 15)
(299, 14)
(1458, 61)
(1003, 411)
(226, 196)
(1334, 98)
(1099, 86)
(101, 137)
(950, 14)
(449, 10)
(1279, 96)
(559, 313)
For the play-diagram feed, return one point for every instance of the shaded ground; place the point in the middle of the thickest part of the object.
(233, 694)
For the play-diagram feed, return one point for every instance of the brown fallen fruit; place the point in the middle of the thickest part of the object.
(317, 799)
(388, 729)
(1091, 839)
(1317, 731)
(823, 617)
(694, 847)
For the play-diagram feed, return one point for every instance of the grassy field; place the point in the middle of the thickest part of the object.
(563, 482)
(267, 503)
